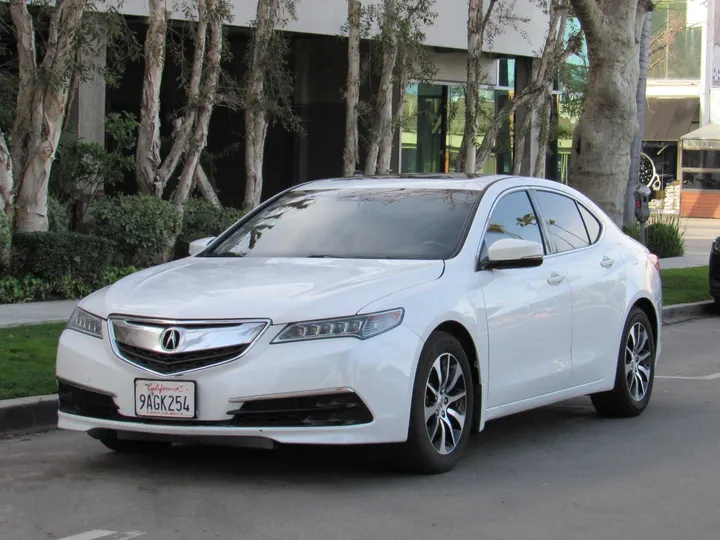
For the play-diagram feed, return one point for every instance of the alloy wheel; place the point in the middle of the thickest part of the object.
(638, 361)
(445, 403)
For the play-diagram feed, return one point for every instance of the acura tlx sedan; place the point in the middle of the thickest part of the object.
(406, 310)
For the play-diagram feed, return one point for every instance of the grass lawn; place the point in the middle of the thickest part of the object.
(684, 285)
(27, 360)
(27, 353)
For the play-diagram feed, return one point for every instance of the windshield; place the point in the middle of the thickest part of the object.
(379, 223)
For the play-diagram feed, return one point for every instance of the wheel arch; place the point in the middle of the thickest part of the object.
(461, 333)
(647, 307)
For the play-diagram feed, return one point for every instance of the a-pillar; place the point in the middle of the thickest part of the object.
(523, 77)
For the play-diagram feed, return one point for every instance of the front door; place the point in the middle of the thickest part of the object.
(528, 310)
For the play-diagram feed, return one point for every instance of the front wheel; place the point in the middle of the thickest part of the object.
(635, 373)
(442, 405)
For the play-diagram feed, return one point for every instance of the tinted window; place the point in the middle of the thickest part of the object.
(591, 224)
(378, 223)
(563, 221)
(512, 217)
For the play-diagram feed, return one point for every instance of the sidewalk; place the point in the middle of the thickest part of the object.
(35, 313)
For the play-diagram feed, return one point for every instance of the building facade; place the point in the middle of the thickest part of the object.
(318, 62)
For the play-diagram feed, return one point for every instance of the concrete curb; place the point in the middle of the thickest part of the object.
(39, 413)
(685, 312)
(30, 414)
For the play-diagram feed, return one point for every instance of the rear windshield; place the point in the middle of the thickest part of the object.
(379, 223)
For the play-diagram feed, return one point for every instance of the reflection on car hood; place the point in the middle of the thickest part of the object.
(284, 290)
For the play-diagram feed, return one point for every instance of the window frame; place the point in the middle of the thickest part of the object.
(547, 248)
(554, 251)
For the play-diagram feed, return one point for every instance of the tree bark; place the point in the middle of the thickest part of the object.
(48, 109)
(544, 117)
(206, 100)
(382, 121)
(6, 179)
(255, 114)
(205, 187)
(634, 176)
(147, 156)
(351, 156)
(603, 137)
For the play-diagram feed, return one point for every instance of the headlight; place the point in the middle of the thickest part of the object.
(360, 327)
(82, 321)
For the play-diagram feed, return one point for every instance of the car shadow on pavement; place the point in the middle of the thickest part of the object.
(318, 464)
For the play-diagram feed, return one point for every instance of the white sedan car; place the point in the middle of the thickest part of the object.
(371, 310)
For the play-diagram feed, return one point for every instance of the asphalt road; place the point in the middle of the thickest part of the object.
(553, 474)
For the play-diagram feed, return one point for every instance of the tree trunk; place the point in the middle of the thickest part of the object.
(147, 156)
(476, 24)
(543, 116)
(351, 156)
(603, 137)
(205, 187)
(47, 113)
(206, 96)
(255, 113)
(6, 179)
(382, 121)
(634, 177)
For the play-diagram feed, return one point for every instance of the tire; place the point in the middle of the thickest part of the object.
(124, 446)
(716, 305)
(421, 453)
(622, 401)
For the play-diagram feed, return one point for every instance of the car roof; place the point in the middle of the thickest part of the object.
(456, 181)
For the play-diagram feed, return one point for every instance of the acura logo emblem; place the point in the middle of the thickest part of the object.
(170, 339)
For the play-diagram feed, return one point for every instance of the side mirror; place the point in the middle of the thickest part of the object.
(198, 245)
(513, 253)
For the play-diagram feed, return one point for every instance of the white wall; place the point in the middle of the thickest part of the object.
(327, 17)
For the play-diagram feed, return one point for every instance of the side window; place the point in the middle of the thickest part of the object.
(512, 217)
(591, 224)
(562, 220)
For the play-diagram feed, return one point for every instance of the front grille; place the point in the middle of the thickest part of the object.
(168, 364)
(341, 409)
(83, 402)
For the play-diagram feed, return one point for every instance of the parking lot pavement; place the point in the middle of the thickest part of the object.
(559, 473)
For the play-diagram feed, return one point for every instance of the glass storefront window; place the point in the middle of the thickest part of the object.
(701, 159)
(704, 180)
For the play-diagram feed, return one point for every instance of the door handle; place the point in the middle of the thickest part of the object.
(607, 262)
(556, 279)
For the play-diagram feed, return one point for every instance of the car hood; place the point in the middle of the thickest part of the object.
(283, 290)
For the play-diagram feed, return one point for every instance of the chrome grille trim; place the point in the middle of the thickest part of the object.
(200, 335)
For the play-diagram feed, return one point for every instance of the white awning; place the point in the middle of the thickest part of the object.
(704, 138)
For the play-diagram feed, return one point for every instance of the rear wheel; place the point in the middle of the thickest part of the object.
(442, 405)
(635, 373)
(124, 446)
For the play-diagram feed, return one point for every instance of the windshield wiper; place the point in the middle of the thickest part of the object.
(227, 254)
(318, 256)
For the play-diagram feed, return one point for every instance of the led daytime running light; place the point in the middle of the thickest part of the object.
(359, 326)
(85, 323)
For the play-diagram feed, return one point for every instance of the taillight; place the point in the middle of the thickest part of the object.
(654, 260)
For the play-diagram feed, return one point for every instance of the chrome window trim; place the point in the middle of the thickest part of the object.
(181, 323)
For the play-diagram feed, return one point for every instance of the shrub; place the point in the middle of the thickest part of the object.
(50, 256)
(28, 288)
(665, 235)
(58, 216)
(200, 220)
(142, 226)
(5, 239)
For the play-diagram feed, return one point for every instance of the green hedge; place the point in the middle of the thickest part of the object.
(30, 289)
(5, 239)
(142, 227)
(58, 216)
(51, 255)
(201, 220)
(665, 235)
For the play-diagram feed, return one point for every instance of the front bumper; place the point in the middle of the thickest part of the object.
(375, 377)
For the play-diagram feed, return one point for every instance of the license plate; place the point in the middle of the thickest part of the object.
(165, 399)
